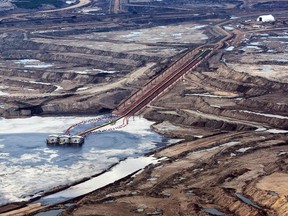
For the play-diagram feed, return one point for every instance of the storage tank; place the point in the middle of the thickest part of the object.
(77, 140)
(64, 139)
(53, 139)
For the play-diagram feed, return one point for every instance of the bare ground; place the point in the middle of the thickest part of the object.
(232, 116)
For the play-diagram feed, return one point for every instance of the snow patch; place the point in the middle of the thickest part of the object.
(58, 88)
(82, 88)
(123, 169)
(249, 48)
(255, 43)
(33, 63)
(208, 95)
(3, 93)
(242, 150)
(265, 114)
(229, 144)
(260, 129)
(133, 34)
(216, 106)
(229, 28)
(198, 27)
(280, 37)
(266, 68)
(37, 124)
(231, 48)
(276, 131)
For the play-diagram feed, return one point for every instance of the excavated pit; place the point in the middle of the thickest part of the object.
(231, 112)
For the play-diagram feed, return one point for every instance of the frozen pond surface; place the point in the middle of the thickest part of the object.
(33, 63)
(28, 167)
(124, 168)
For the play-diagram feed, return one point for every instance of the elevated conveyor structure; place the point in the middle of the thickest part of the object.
(153, 89)
(159, 84)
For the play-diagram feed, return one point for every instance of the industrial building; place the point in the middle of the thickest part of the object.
(266, 18)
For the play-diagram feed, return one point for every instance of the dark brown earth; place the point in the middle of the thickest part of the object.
(231, 112)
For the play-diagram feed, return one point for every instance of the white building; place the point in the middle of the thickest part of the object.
(266, 18)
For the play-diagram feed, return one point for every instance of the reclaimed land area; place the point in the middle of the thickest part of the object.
(231, 112)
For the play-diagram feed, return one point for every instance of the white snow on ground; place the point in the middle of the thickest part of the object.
(136, 125)
(198, 27)
(231, 48)
(208, 95)
(58, 88)
(229, 144)
(271, 51)
(280, 60)
(81, 72)
(133, 34)
(167, 126)
(255, 43)
(242, 150)
(266, 68)
(264, 35)
(94, 71)
(39, 66)
(82, 88)
(35, 124)
(107, 72)
(177, 35)
(265, 114)
(228, 27)
(277, 131)
(250, 48)
(26, 61)
(38, 124)
(3, 93)
(198, 136)
(33, 63)
(123, 169)
(171, 33)
(34, 82)
(174, 141)
(215, 106)
(261, 129)
(281, 37)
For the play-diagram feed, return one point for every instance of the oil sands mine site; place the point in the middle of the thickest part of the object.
(191, 95)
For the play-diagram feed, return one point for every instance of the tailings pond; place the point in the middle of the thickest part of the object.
(28, 167)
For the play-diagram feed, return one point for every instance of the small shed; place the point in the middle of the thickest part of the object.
(266, 18)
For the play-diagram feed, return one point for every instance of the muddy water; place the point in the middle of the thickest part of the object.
(123, 169)
(28, 167)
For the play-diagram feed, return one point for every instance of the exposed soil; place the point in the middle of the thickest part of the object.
(195, 178)
(231, 112)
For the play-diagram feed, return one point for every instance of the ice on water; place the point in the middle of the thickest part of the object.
(29, 167)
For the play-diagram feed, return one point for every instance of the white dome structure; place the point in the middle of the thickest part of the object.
(266, 18)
